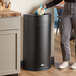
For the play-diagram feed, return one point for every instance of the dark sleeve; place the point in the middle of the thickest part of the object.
(52, 3)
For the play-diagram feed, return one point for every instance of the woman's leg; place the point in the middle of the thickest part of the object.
(74, 27)
(65, 33)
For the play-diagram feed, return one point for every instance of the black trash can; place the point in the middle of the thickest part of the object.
(37, 42)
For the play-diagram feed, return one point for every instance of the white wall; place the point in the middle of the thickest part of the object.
(25, 6)
(28, 6)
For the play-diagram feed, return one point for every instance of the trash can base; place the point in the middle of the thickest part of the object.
(37, 69)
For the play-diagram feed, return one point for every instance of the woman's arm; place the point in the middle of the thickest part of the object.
(54, 2)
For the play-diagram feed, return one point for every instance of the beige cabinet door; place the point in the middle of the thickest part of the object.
(9, 52)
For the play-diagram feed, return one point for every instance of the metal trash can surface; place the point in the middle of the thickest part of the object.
(37, 42)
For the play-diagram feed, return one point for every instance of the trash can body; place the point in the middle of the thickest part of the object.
(37, 42)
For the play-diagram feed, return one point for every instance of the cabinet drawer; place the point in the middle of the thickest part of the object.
(7, 23)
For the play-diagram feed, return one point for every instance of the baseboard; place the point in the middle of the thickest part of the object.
(52, 62)
(21, 64)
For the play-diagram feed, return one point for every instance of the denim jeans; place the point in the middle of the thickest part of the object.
(68, 20)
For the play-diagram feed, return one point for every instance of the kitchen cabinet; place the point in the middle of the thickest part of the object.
(10, 44)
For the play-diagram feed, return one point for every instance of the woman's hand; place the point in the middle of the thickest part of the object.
(44, 6)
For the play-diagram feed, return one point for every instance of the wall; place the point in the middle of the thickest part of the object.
(28, 6)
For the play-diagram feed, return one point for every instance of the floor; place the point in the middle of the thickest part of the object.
(54, 71)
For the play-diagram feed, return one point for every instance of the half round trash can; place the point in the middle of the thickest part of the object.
(37, 42)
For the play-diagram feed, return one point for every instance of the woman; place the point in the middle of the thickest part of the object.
(68, 21)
